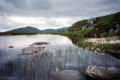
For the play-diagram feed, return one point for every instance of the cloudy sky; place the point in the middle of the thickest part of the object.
(45, 14)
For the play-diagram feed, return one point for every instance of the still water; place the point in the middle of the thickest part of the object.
(61, 54)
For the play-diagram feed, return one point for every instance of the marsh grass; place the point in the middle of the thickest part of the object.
(40, 66)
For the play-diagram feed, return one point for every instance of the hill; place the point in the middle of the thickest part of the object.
(103, 26)
(54, 30)
(27, 29)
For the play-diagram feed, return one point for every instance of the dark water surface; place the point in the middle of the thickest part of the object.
(60, 54)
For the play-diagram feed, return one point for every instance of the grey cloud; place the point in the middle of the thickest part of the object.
(24, 7)
(29, 4)
(58, 8)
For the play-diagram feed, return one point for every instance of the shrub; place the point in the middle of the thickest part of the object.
(104, 35)
(111, 34)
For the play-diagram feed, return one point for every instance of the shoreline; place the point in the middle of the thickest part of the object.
(107, 45)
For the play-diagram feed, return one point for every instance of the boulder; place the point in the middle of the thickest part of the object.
(32, 50)
(66, 75)
(103, 73)
(40, 43)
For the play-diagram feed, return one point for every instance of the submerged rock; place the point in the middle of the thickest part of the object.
(32, 50)
(103, 73)
(66, 75)
(40, 43)
(11, 46)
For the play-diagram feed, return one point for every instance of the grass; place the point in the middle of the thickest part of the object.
(111, 49)
(87, 29)
(79, 39)
(44, 63)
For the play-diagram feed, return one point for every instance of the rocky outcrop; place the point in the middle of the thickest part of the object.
(91, 22)
(103, 73)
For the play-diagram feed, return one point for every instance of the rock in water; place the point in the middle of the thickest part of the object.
(103, 73)
(11, 46)
(66, 75)
(40, 43)
(32, 50)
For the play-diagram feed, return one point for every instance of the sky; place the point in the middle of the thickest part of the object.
(44, 14)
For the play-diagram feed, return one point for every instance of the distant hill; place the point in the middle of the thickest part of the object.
(27, 29)
(30, 29)
(53, 30)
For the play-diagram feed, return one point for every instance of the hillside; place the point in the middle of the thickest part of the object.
(105, 30)
(103, 26)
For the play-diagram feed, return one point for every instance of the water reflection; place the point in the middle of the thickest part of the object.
(59, 55)
(22, 41)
